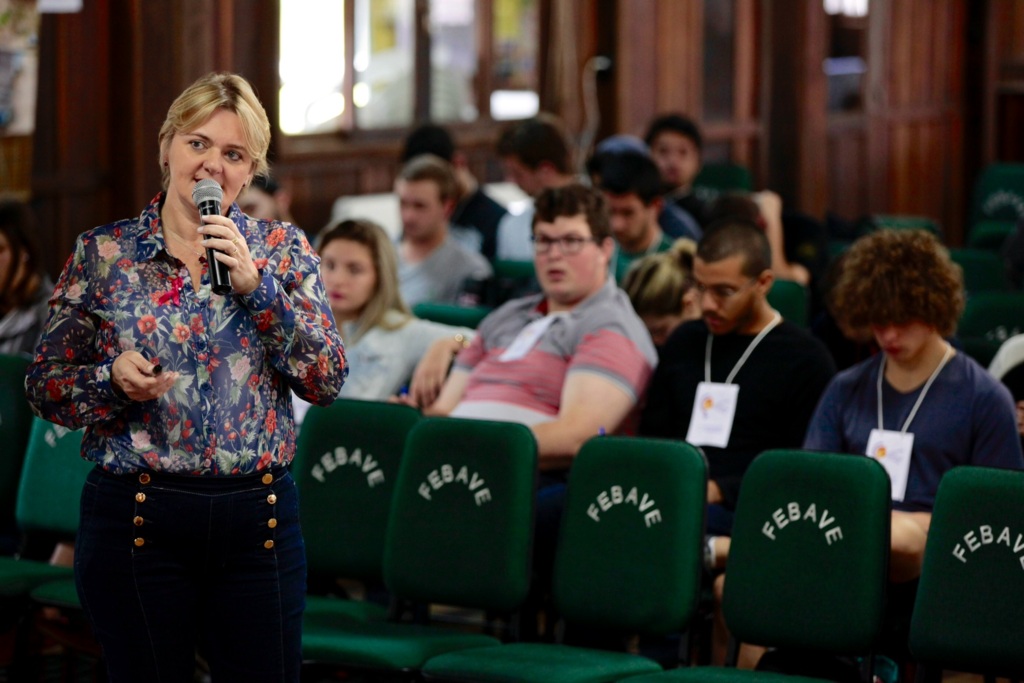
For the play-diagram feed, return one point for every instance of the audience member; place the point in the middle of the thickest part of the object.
(266, 200)
(676, 146)
(432, 266)
(740, 381)
(474, 221)
(632, 188)
(674, 221)
(536, 156)
(919, 407)
(764, 209)
(383, 340)
(24, 286)
(660, 287)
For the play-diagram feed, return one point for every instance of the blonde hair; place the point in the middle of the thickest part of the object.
(197, 104)
(656, 283)
(386, 296)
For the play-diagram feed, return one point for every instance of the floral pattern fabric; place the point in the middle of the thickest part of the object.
(230, 411)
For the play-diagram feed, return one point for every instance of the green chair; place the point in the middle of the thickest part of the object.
(883, 221)
(459, 534)
(791, 299)
(998, 193)
(47, 501)
(724, 177)
(967, 614)
(989, 319)
(989, 234)
(346, 461)
(451, 314)
(628, 562)
(15, 424)
(514, 269)
(983, 269)
(808, 563)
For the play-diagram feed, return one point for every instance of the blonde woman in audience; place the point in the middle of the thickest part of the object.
(660, 287)
(384, 342)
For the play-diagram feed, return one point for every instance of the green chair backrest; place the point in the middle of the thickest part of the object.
(15, 425)
(451, 314)
(629, 555)
(51, 479)
(514, 269)
(967, 616)
(989, 234)
(345, 466)
(999, 193)
(883, 221)
(989, 319)
(791, 299)
(808, 562)
(461, 518)
(724, 176)
(983, 269)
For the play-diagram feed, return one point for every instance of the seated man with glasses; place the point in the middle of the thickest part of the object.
(742, 379)
(570, 362)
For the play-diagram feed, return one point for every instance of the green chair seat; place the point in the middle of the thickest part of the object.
(20, 577)
(451, 314)
(386, 645)
(323, 610)
(719, 674)
(538, 663)
(62, 593)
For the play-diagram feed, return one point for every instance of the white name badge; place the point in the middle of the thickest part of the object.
(893, 450)
(527, 339)
(714, 408)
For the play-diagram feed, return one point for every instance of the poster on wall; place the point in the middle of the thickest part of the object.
(19, 59)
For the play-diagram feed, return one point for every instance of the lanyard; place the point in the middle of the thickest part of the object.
(920, 398)
(746, 354)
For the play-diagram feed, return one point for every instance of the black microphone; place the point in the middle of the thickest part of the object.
(207, 195)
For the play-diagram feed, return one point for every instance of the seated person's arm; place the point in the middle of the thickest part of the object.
(907, 536)
(451, 393)
(770, 204)
(589, 403)
(431, 371)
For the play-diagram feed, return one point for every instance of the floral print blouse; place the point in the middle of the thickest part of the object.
(230, 412)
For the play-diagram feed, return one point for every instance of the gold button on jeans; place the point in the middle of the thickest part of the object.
(268, 545)
(137, 521)
(143, 478)
(271, 499)
(267, 478)
(140, 497)
(272, 523)
(139, 542)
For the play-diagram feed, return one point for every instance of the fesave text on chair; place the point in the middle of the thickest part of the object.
(15, 421)
(791, 299)
(809, 559)
(459, 534)
(628, 562)
(967, 616)
(345, 466)
(999, 193)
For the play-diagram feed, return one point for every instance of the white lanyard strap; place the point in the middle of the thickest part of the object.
(920, 398)
(746, 354)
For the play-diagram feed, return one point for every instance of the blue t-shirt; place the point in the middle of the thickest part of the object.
(967, 418)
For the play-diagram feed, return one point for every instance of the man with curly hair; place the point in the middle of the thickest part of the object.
(919, 407)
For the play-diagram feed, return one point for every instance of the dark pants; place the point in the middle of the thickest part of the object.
(180, 564)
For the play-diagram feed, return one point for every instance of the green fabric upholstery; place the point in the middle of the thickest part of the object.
(989, 318)
(49, 491)
(514, 269)
(724, 177)
(808, 562)
(967, 616)
(323, 610)
(999, 193)
(628, 559)
(537, 663)
(15, 422)
(346, 461)
(451, 314)
(460, 530)
(904, 222)
(459, 533)
(62, 593)
(791, 299)
(989, 234)
(983, 269)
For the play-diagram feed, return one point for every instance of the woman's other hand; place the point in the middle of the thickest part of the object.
(140, 379)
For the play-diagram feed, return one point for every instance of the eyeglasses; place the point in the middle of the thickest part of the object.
(721, 293)
(567, 244)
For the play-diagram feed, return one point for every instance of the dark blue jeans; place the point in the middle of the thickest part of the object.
(168, 565)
